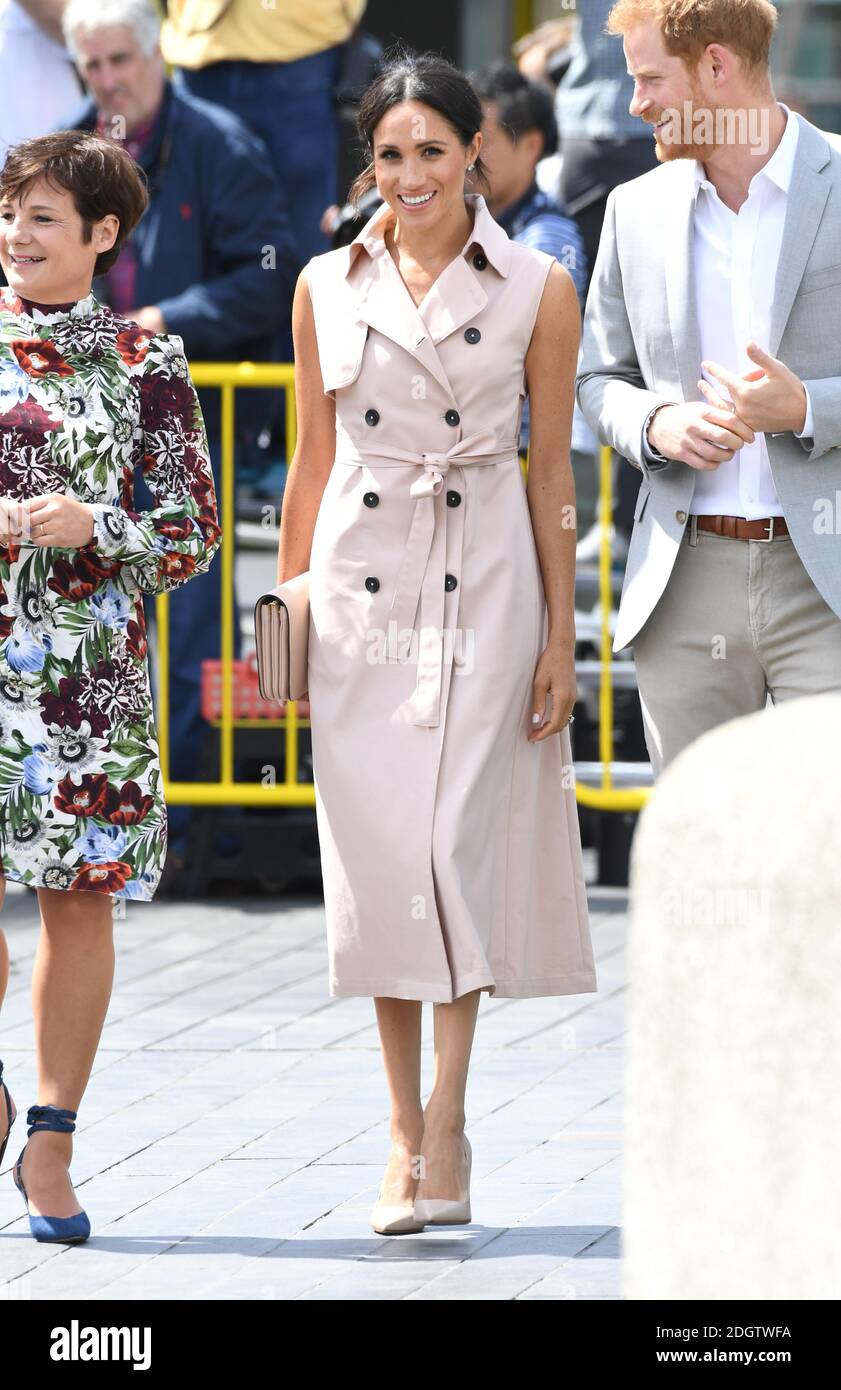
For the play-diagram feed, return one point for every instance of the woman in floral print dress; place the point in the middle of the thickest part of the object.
(85, 396)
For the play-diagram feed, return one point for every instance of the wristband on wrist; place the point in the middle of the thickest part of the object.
(660, 457)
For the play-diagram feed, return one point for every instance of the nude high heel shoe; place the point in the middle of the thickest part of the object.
(441, 1211)
(394, 1218)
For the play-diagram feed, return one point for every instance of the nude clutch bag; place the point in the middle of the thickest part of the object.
(281, 629)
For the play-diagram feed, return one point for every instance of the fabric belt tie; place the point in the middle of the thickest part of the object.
(419, 582)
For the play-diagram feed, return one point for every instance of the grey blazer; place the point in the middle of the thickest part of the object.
(640, 349)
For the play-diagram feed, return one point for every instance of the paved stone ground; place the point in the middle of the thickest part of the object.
(234, 1132)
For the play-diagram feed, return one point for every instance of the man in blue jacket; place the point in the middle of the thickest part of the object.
(212, 260)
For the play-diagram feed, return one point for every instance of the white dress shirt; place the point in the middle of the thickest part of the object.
(736, 255)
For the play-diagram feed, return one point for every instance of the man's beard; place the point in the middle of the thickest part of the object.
(693, 147)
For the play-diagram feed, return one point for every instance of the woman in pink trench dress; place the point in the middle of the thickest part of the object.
(441, 602)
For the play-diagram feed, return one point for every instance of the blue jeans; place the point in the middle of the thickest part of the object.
(290, 107)
(195, 634)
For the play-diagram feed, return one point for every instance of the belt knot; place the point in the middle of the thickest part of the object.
(432, 479)
(419, 596)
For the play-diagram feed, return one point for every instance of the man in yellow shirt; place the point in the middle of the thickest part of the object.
(275, 65)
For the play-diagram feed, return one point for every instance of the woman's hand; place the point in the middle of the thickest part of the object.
(58, 520)
(14, 521)
(555, 674)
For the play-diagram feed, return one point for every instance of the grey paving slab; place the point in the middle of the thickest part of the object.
(235, 1129)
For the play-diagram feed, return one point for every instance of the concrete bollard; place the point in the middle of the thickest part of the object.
(732, 1175)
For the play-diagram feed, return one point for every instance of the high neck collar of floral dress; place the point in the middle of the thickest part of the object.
(49, 313)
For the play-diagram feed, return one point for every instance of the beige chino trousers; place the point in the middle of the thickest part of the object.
(740, 623)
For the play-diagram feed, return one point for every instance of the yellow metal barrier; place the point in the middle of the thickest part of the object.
(226, 792)
(607, 797)
(290, 792)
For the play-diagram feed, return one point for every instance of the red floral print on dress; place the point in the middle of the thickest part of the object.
(29, 415)
(104, 878)
(136, 635)
(129, 806)
(163, 397)
(89, 799)
(70, 709)
(82, 576)
(133, 344)
(40, 358)
(174, 563)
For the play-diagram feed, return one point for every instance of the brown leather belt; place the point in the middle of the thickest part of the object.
(762, 528)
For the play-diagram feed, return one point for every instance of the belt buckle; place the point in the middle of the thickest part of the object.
(764, 540)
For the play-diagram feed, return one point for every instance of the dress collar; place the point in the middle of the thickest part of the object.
(82, 308)
(487, 232)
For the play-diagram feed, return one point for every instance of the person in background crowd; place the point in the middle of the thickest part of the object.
(543, 55)
(518, 130)
(276, 67)
(342, 223)
(211, 260)
(603, 144)
(33, 59)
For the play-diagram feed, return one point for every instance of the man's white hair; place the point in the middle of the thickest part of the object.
(141, 16)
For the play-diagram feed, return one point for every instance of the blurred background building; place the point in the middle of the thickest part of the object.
(807, 59)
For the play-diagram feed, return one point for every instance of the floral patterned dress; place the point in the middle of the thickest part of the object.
(85, 396)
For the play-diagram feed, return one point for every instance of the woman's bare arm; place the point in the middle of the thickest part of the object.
(315, 446)
(551, 364)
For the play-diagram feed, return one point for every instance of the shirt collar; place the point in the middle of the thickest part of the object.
(778, 168)
(487, 232)
(140, 134)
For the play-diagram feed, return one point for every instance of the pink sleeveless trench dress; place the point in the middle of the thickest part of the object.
(449, 844)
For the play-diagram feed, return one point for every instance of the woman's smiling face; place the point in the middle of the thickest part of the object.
(420, 162)
(42, 252)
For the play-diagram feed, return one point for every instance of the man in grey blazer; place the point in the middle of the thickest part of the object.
(711, 358)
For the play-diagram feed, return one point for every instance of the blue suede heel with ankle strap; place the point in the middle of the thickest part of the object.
(70, 1230)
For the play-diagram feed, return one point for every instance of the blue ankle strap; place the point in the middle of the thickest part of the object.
(50, 1117)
